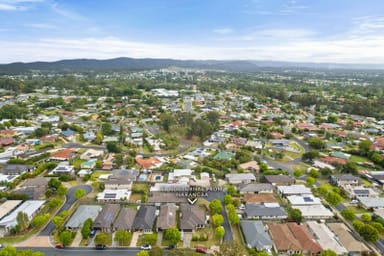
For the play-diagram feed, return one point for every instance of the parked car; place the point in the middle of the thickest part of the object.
(100, 247)
(171, 246)
(93, 233)
(146, 247)
(201, 250)
(59, 246)
(1, 245)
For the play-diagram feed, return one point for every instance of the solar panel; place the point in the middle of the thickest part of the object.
(110, 195)
(308, 199)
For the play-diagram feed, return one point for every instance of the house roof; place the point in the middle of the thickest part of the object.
(64, 154)
(294, 190)
(346, 239)
(372, 202)
(8, 206)
(239, 177)
(82, 213)
(325, 237)
(167, 217)
(17, 168)
(165, 197)
(255, 187)
(265, 210)
(125, 219)
(106, 216)
(256, 235)
(191, 216)
(251, 198)
(253, 165)
(29, 207)
(283, 238)
(147, 163)
(279, 179)
(36, 182)
(305, 239)
(145, 217)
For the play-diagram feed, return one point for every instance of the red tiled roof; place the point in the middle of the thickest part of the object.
(64, 154)
(147, 163)
(7, 141)
(333, 160)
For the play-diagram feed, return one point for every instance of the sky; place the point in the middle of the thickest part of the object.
(330, 31)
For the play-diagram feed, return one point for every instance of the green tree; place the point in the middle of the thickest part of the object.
(357, 225)
(316, 143)
(61, 191)
(365, 147)
(99, 138)
(348, 214)
(106, 129)
(217, 220)
(150, 239)
(333, 198)
(142, 253)
(40, 220)
(295, 214)
(215, 206)
(231, 190)
(310, 155)
(328, 253)
(310, 181)
(55, 202)
(231, 248)
(369, 233)
(54, 183)
(297, 173)
(65, 237)
(234, 218)
(22, 221)
(113, 147)
(213, 118)
(57, 221)
(173, 235)
(101, 238)
(366, 217)
(86, 229)
(123, 237)
(79, 193)
(219, 232)
(228, 199)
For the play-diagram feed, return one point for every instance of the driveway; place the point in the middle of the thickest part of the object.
(70, 200)
(227, 226)
(187, 239)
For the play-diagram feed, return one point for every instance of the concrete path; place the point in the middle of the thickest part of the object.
(76, 242)
(135, 237)
(187, 239)
(159, 238)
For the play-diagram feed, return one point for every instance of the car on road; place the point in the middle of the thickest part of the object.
(59, 246)
(146, 247)
(100, 247)
(201, 250)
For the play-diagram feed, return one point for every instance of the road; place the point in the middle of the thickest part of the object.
(228, 236)
(289, 164)
(84, 251)
(70, 200)
(77, 145)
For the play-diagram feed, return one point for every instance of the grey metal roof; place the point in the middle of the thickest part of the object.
(259, 210)
(82, 214)
(124, 220)
(256, 235)
(145, 217)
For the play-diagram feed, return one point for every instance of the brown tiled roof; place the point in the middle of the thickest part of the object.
(251, 198)
(302, 235)
(64, 154)
(167, 216)
(124, 220)
(147, 163)
(283, 238)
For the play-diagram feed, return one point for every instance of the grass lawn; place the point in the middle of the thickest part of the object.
(289, 156)
(207, 244)
(356, 159)
(134, 197)
(147, 239)
(95, 175)
(357, 210)
(301, 166)
(237, 234)
(140, 186)
(166, 243)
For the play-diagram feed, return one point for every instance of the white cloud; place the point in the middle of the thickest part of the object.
(368, 50)
(41, 26)
(7, 7)
(223, 31)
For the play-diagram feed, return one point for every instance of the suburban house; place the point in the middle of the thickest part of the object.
(346, 238)
(292, 238)
(16, 169)
(64, 155)
(238, 178)
(92, 154)
(371, 202)
(251, 198)
(33, 188)
(30, 207)
(325, 237)
(251, 166)
(256, 188)
(345, 179)
(266, 211)
(105, 218)
(118, 182)
(82, 213)
(294, 190)
(8, 206)
(191, 218)
(167, 217)
(124, 220)
(279, 180)
(145, 219)
(256, 235)
(113, 196)
(148, 163)
(63, 169)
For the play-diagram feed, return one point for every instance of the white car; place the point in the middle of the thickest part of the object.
(146, 247)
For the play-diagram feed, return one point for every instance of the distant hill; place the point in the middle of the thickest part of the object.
(120, 64)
